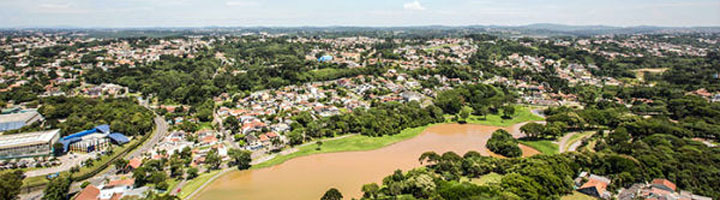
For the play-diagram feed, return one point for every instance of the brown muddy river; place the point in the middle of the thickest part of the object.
(307, 178)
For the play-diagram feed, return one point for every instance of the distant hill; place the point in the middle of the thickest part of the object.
(540, 29)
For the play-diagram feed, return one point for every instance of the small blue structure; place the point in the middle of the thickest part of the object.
(104, 129)
(118, 138)
(325, 58)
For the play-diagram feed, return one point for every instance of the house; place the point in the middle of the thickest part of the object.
(663, 184)
(264, 139)
(208, 140)
(411, 96)
(596, 186)
(133, 164)
(116, 188)
(630, 193)
(657, 189)
(253, 142)
(90, 192)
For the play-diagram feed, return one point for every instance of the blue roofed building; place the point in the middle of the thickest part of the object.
(325, 58)
(98, 138)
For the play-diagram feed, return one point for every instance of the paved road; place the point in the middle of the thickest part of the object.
(161, 130)
(563, 141)
(575, 145)
(66, 162)
(228, 136)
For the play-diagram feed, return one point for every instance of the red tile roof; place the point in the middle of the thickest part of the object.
(599, 185)
(135, 163)
(121, 182)
(90, 192)
(209, 139)
(264, 138)
(271, 134)
(665, 182)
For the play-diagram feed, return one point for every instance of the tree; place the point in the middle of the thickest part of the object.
(58, 188)
(451, 101)
(192, 173)
(370, 190)
(213, 159)
(332, 194)
(231, 123)
(532, 129)
(482, 111)
(508, 111)
(465, 112)
(521, 185)
(430, 156)
(501, 142)
(10, 184)
(120, 163)
(242, 158)
(58, 149)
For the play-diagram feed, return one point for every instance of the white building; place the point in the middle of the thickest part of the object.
(28, 144)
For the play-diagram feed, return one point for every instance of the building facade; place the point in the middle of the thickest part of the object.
(31, 144)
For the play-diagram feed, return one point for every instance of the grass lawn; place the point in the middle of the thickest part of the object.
(577, 196)
(544, 146)
(522, 114)
(577, 137)
(205, 125)
(172, 183)
(591, 146)
(351, 143)
(363, 143)
(35, 180)
(195, 183)
(487, 179)
(440, 47)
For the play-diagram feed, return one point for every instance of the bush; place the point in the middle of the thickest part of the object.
(504, 144)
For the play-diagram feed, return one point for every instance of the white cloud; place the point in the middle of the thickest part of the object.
(413, 6)
(241, 3)
(56, 6)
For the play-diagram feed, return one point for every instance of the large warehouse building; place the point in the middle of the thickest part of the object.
(28, 144)
(18, 120)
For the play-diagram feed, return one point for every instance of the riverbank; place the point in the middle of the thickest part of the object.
(331, 145)
(359, 143)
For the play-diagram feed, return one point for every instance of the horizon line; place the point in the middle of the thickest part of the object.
(349, 26)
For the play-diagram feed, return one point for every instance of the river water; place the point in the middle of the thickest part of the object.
(308, 177)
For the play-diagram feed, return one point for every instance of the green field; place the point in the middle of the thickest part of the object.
(487, 179)
(363, 143)
(522, 114)
(350, 143)
(195, 183)
(440, 47)
(576, 137)
(205, 126)
(544, 146)
(577, 196)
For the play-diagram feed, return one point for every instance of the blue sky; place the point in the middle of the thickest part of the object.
(193, 13)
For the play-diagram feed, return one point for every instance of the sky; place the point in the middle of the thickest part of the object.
(200, 13)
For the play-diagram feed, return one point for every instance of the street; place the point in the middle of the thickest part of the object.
(161, 130)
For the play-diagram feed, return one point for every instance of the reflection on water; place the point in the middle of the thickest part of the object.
(310, 176)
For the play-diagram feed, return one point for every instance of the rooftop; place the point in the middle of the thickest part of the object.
(31, 138)
(17, 117)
